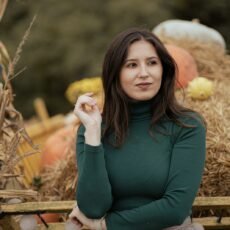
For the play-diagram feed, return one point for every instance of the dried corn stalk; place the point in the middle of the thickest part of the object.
(11, 121)
(3, 4)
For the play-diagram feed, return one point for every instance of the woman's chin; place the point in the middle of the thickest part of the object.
(143, 98)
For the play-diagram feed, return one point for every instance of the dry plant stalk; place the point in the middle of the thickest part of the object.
(11, 122)
(3, 4)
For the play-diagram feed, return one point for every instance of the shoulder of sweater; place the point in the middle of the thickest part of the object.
(192, 119)
(188, 122)
(194, 124)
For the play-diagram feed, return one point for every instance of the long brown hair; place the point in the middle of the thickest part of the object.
(116, 113)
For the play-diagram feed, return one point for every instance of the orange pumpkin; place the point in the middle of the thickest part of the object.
(57, 146)
(187, 68)
(48, 217)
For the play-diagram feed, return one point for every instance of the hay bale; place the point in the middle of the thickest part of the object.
(214, 65)
(216, 177)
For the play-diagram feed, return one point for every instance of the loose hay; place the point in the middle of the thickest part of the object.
(59, 181)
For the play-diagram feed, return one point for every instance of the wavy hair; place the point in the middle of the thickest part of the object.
(116, 113)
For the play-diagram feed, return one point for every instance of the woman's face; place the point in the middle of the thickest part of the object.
(141, 73)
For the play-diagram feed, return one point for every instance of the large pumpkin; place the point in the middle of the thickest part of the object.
(190, 31)
(187, 68)
(57, 146)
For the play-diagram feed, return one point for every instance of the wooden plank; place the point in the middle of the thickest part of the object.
(43, 206)
(212, 202)
(211, 222)
(55, 226)
(65, 206)
(11, 193)
(40, 128)
(40, 108)
(52, 226)
(207, 222)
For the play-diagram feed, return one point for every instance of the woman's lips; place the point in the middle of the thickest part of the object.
(143, 85)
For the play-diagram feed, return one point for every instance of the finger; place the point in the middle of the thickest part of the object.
(77, 224)
(86, 95)
(89, 94)
(73, 217)
(84, 100)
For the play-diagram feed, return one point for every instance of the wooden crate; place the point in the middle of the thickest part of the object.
(38, 132)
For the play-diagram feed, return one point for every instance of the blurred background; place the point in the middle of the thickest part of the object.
(69, 38)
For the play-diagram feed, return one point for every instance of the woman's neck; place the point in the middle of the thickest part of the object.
(140, 110)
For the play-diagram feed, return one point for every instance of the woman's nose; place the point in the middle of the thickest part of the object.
(143, 71)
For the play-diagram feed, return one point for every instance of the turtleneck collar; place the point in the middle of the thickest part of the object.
(140, 110)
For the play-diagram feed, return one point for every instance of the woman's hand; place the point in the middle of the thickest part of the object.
(89, 116)
(78, 218)
(88, 112)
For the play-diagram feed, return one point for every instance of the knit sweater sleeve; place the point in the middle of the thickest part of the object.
(94, 196)
(187, 163)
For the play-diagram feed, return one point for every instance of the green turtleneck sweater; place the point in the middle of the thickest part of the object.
(150, 182)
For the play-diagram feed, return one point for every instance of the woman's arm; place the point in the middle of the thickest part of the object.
(187, 163)
(94, 196)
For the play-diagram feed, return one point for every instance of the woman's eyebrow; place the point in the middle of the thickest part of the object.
(153, 57)
(130, 59)
(134, 59)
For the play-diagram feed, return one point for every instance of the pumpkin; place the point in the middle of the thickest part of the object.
(200, 88)
(57, 146)
(48, 217)
(83, 86)
(192, 31)
(86, 85)
(187, 68)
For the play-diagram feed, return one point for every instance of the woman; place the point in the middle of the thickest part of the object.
(140, 163)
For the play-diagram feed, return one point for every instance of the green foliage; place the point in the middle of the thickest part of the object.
(69, 39)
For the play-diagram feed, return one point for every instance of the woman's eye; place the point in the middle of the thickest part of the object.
(152, 62)
(131, 65)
